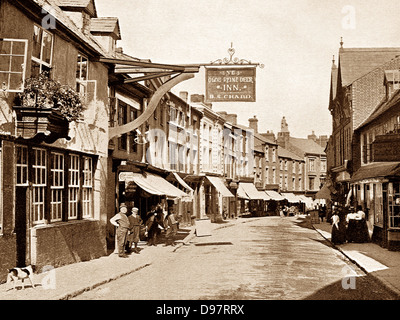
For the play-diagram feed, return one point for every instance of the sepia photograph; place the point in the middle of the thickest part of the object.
(198, 158)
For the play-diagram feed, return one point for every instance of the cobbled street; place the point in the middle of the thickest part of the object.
(270, 258)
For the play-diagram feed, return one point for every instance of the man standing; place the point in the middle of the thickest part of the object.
(134, 231)
(121, 221)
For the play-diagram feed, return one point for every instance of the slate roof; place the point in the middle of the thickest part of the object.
(106, 25)
(357, 62)
(85, 4)
(62, 17)
(302, 147)
(284, 153)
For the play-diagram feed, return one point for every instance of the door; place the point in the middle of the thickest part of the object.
(20, 225)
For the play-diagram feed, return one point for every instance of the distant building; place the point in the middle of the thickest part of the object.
(311, 152)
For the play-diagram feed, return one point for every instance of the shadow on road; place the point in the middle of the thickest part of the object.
(362, 288)
(304, 222)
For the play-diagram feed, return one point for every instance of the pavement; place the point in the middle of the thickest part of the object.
(69, 281)
(380, 263)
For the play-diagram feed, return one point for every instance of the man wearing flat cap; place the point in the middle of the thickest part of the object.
(121, 221)
(134, 230)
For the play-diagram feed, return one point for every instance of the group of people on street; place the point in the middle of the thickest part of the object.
(129, 226)
(349, 225)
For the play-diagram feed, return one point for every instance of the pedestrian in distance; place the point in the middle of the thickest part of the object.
(171, 225)
(121, 221)
(134, 231)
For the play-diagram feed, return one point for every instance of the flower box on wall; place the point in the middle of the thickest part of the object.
(41, 124)
(45, 108)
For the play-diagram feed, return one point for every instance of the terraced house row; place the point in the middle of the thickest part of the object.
(80, 134)
(362, 152)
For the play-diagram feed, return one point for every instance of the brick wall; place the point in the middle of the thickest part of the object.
(66, 243)
(7, 255)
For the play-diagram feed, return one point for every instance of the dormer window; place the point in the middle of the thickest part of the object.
(391, 82)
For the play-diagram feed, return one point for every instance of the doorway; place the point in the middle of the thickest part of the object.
(20, 225)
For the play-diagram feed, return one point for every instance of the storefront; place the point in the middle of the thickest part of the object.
(217, 197)
(145, 190)
(256, 200)
(274, 203)
(376, 187)
(187, 203)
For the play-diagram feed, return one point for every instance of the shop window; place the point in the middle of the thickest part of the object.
(42, 51)
(87, 188)
(57, 186)
(394, 205)
(73, 187)
(39, 168)
(13, 56)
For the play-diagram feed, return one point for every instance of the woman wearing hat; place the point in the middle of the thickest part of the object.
(121, 221)
(134, 231)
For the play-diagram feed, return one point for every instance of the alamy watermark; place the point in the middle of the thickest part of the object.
(349, 279)
(181, 147)
(349, 21)
(49, 280)
(48, 21)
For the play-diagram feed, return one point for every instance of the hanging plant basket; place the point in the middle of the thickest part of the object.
(46, 108)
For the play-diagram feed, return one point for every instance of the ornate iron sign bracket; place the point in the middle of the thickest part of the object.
(232, 61)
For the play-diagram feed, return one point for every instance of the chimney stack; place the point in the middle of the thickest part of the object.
(184, 96)
(253, 124)
(231, 118)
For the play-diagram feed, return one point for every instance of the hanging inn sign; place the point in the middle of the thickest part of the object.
(231, 80)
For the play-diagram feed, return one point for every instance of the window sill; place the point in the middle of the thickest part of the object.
(58, 224)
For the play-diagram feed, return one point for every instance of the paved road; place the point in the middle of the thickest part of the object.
(266, 258)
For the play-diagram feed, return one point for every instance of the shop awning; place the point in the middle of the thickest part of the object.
(377, 170)
(164, 186)
(241, 193)
(252, 192)
(291, 197)
(307, 200)
(156, 185)
(323, 193)
(219, 184)
(274, 195)
(182, 182)
(144, 183)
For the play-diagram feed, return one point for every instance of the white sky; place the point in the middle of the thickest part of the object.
(294, 39)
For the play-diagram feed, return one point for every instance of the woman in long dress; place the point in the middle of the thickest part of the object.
(338, 226)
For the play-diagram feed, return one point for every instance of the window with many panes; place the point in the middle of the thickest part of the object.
(21, 160)
(42, 50)
(394, 205)
(39, 167)
(13, 55)
(87, 187)
(57, 186)
(73, 186)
